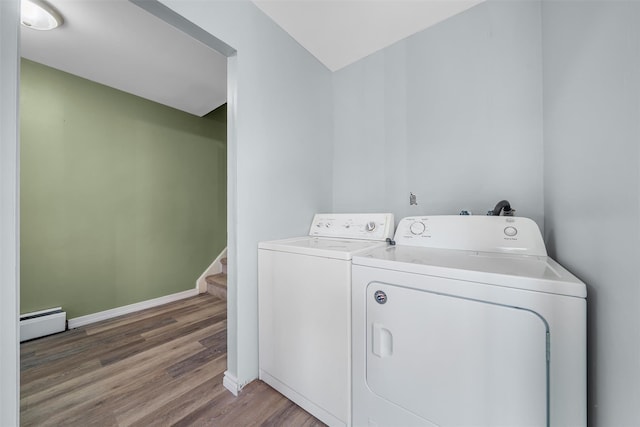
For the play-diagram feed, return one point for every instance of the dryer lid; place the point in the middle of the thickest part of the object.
(530, 272)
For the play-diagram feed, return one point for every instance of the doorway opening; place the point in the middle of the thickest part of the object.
(118, 242)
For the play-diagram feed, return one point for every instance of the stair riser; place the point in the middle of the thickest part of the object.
(217, 290)
(217, 283)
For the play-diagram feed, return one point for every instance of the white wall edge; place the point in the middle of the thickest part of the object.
(77, 322)
(168, 15)
(231, 383)
(214, 268)
(9, 212)
(232, 216)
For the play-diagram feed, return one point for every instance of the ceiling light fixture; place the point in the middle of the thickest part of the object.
(39, 15)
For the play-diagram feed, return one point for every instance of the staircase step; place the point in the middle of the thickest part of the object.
(217, 285)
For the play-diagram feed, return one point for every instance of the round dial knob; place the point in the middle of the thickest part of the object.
(417, 228)
(510, 231)
(370, 226)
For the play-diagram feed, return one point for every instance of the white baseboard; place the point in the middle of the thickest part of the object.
(77, 322)
(231, 383)
(320, 413)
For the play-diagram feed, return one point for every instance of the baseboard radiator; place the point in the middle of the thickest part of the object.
(41, 323)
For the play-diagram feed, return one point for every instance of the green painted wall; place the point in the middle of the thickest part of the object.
(122, 199)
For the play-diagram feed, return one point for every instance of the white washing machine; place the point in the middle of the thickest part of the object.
(304, 298)
(467, 322)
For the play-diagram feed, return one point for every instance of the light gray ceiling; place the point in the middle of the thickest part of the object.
(118, 44)
(340, 32)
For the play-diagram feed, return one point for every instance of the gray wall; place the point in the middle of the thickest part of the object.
(452, 114)
(283, 115)
(592, 191)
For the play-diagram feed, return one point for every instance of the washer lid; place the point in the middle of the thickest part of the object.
(530, 272)
(321, 246)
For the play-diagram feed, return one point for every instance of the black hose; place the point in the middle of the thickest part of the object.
(503, 205)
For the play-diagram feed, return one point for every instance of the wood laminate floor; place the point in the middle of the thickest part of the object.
(158, 367)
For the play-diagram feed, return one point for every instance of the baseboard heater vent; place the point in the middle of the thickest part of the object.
(41, 323)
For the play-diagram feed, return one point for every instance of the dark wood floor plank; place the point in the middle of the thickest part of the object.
(29, 387)
(291, 416)
(84, 347)
(142, 345)
(160, 367)
(193, 362)
(85, 350)
(216, 317)
(127, 319)
(40, 345)
(175, 389)
(257, 398)
(152, 388)
(216, 341)
(189, 403)
(122, 371)
(220, 401)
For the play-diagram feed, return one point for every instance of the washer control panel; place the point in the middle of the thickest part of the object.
(377, 226)
(475, 233)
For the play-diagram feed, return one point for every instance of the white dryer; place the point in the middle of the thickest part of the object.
(467, 322)
(304, 306)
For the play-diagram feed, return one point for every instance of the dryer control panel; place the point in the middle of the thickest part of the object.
(376, 226)
(502, 234)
